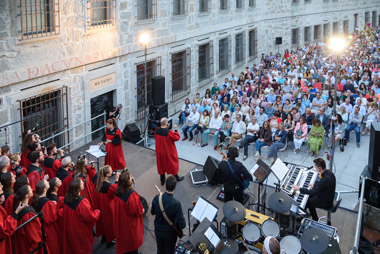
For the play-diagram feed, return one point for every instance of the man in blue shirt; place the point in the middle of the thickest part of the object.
(204, 107)
(269, 110)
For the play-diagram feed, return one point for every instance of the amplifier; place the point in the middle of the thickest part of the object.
(198, 177)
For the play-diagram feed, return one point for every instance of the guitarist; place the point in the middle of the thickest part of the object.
(166, 235)
(234, 176)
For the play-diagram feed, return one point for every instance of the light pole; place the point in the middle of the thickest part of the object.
(337, 45)
(144, 40)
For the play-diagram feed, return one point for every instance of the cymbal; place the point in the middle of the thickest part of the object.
(234, 211)
(314, 241)
(227, 246)
(279, 202)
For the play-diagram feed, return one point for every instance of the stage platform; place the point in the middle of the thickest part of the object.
(141, 162)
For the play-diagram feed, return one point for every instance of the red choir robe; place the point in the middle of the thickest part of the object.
(35, 174)
(114, 149)
(89, 187)
(66, 182)
(29, 237)
(105, 203)
(51, 166)
(8, 202)
(128, 211)
(62, 174)
(8, 226)
(18, 171)
(25, 162)
(166, 151)
(76, 225)
(52, 230)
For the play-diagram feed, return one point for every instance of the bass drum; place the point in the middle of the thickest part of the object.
(251, 233)
(290, 245)
(270, 228)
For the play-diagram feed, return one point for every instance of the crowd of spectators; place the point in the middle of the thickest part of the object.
(290, 98)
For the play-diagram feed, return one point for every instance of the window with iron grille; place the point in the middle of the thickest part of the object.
(295, 36)
(252, 3)
(102, 13)
(346, 26)
(146, 9)
(307, 36)
(252, 43)
(335, 28)
(204, 62)
(326, 31)
(239, 48)
(49, 110)
(180, 74)
(295, 1)
(374, 16)
(307, 1)
(239, 4)
(153, 68)
(317, 32)
(223, 4)
(224, 55)
(203, 6)
(366, 17)
(179, 7)
(38, 18)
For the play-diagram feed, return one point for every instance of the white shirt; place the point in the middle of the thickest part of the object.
(252, 126)
(216, 123)
(193, 117)
(239, 127)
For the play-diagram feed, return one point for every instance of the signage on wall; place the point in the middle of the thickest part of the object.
(102, 81)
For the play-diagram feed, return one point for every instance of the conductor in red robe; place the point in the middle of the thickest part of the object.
(128, 211)
(166, 151)
(114, 147)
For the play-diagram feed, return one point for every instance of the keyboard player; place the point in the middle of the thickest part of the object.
(321, 194)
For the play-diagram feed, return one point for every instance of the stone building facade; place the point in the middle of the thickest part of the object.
(63, 61)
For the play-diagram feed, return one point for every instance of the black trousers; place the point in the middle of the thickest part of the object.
(233, 193)
(248, 139)
(166, 241)
(312, 204)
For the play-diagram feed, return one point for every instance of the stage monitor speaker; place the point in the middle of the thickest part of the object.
(374, 150)
(158, 111)
(278, 40)
(158, 90)
(209, 169)
(131, 133)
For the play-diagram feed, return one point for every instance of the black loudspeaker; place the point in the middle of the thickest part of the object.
(158, 112)
(210, 170)
(158, 90)
(131, 133)
(374, 149)
(278, 40)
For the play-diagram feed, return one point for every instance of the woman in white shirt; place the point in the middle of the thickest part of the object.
(372, 116)
(204, 120)
(244, 109)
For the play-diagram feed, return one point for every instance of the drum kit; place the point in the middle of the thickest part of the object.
(252, 228)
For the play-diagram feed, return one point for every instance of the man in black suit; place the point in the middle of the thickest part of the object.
(324, 119)
(323, 192)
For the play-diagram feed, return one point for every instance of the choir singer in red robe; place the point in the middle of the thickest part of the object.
(114, 147)
(166, 151)
(77, 221)
(128, 211)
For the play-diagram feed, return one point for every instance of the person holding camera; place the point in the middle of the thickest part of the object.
(114, 147)
(51, 164)
(234, 176)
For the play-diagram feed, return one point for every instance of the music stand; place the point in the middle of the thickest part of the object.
(96, 152)
(203, 209)
(261, 171)
(199, 235)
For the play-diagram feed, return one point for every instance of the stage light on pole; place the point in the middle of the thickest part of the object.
(144, 40)
(337, 44)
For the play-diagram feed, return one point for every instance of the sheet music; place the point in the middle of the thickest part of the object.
(253, 169)
(203, 209)
(95, 151)
(279, 169)
(212, 236)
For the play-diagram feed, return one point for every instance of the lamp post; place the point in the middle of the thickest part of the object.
(337, 45)
(144, 39)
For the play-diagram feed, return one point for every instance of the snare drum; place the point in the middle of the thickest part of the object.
(270, 228)
(250, 233)
(290, 245)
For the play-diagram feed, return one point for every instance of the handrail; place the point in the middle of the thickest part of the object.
(73, 127)
(355, 248)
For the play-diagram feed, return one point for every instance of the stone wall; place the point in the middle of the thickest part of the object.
(79, 53)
